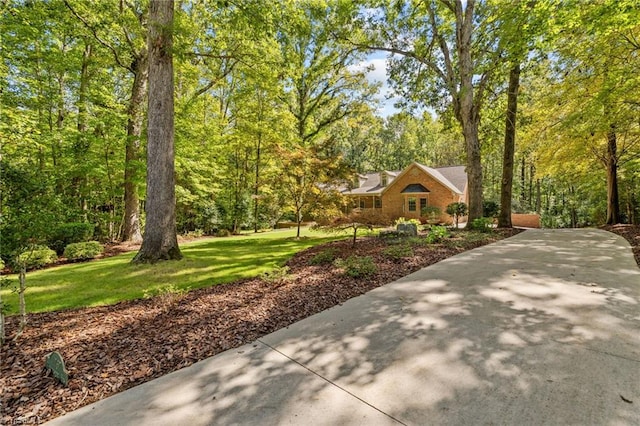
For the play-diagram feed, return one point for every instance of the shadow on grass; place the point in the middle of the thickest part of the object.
(115, 279)
(519, 335)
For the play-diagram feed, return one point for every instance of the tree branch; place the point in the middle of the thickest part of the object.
(98, 38)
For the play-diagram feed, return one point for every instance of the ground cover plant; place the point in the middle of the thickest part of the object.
(111, 348)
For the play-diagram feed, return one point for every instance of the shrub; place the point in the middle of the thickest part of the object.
(323, 257)
(81, 251)
(432, 213)
(404, 221)
(490, 209)
(389, 234)
(482, 224)
(166, 296)
(457, 210)
(277, 274)
(357, 266)
(223, 233)
(197, 233)
(36, 257)
(1, 264)
(397, 252)
(72, 232)
(437, 234)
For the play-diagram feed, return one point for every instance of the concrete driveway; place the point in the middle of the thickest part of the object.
(542, 328)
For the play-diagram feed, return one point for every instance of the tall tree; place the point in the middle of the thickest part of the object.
(595, 85)
(129, 52)
(160, 241)
(443, 55)
(506, 188)
(322, 87)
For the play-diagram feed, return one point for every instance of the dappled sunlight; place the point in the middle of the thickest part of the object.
(205, 263)
(498, 341)
(493, 333)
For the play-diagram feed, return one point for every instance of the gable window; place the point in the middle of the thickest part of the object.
(412, 204)
(384, 180)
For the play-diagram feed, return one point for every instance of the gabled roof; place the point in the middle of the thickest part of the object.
(453, 178)
(371, 183)
(457, 175)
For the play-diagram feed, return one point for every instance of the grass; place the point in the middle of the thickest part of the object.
(206, 263)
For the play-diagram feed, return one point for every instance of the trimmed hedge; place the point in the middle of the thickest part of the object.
(37, 257)
(83, 251)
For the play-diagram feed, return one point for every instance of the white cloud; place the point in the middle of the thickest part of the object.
(378, 74)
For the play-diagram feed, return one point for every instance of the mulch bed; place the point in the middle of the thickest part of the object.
(113, 348)
(631, 233)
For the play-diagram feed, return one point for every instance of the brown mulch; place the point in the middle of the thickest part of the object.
(113, 348)
(631, 233)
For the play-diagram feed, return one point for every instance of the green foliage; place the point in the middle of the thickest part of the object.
(68, 233)
(166, 295)
(482, 224)
(403, 221)
(431, 212)
(437, 234)
(356, 221)
(276, 274)
(1, 264)
(398, 251)
(223, 233)
(82, 251)
(389, 234)
(169, 291)
(206, 263)
(36, 257)
(490, 208)
(457, 210)
(357, 266)
(324, 257)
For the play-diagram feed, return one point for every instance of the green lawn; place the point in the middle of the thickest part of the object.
(205, 263)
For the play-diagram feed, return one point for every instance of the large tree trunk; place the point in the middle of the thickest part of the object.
(466, 109)
(160, 240)
(613, 200)
(474, 168)
(132, 167)
(506, 189)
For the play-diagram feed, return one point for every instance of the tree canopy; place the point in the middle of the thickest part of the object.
(274, 103)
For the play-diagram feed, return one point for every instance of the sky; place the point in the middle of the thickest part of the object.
(379, 74)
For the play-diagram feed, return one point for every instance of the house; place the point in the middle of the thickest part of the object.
(409, 192)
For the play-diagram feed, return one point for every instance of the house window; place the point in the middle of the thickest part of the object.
(412, 204)
(384, 180)
(378, 203)
(362, 204)
(423, 203)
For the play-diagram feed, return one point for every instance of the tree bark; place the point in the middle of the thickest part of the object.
(613, 200)
(132, 169)
(82, 144)
(506, 188)
(466, 109)
(160, 241)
